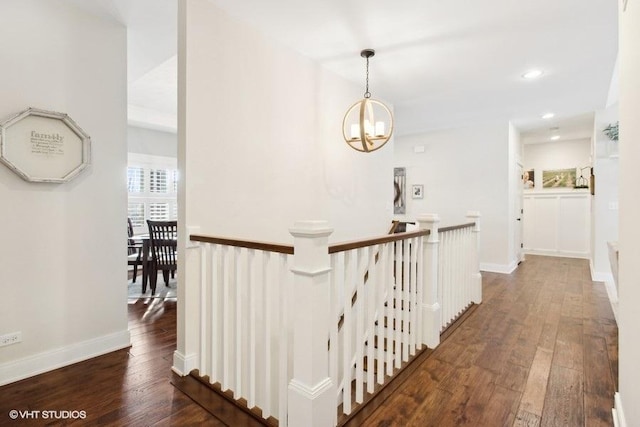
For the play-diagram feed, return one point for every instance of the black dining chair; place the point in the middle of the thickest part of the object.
(134, 250)
(162, 245)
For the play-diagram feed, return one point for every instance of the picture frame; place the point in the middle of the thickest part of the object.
(528, 179)
(559, 178)
(417, 191)
(399, 196)
(44, 146)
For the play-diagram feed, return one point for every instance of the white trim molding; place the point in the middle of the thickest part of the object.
(49, 360)
(499, 268)
(618, 413)
(184, 364)
(560, 254)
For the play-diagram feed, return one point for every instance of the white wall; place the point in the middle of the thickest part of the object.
(261, 146)
(556, 155)
(63, 254)
(604, 208)
(629, 273)
(264, 146)
(154, 142)
(463, 169)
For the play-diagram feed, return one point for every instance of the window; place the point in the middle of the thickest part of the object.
(158, 181)
(159, 211)
(136, 213)
(152, 182)
(135, 180)
(174, 177)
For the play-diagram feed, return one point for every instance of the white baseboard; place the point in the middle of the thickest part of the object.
(612, 293)
(53, 359)
(498, 268)
(183, 364)
(618, 413)
(561, 254)
(600, 276)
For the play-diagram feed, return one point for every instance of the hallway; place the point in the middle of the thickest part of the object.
(540, 350)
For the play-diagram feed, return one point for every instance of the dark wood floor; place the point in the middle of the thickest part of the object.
(125, 388)
(540, 350)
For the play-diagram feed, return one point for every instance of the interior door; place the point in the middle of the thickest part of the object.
(519, 215)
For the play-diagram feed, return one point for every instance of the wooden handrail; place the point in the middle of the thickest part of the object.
(456, 227)
(338, 247)
(347, 246)
(249, 244)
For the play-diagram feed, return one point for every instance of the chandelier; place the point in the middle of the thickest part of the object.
(360, 128)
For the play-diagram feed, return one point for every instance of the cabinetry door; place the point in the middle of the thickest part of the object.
(557, 224)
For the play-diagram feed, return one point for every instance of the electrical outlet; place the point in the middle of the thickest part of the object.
(12, 338)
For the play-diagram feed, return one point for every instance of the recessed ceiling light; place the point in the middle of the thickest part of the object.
(548, 115)
(555, 138)
(532, 74)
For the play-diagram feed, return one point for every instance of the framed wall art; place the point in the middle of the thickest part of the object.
(44, 146)
(528, 179)
(559, 178)
(417, 191)
(399, 184)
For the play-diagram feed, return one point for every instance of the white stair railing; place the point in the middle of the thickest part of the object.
(459, 283)
(375, 324)
(245, 334)
(300, 335)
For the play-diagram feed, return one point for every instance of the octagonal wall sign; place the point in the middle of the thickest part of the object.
(44, 146)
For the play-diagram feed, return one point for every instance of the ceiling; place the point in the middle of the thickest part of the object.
(440, 63)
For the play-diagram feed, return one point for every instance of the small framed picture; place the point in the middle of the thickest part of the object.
(417, 191)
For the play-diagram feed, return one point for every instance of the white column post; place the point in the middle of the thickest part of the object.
(476, 294)
(430, 304)
(312, 395)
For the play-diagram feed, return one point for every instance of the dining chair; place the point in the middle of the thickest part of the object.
(162, 245)
(134, 251)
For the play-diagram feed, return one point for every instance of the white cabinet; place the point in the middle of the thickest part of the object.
(557, 223)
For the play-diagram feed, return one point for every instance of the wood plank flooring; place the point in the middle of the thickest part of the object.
(129, 387)
(541, 350)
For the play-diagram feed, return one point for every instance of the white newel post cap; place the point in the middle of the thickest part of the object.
(475, 216)
(310, 247)
(311, 228)
(428, 218)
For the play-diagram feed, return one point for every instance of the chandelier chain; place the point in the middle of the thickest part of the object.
(367, 94)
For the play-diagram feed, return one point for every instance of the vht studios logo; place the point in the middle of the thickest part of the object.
(47, 415)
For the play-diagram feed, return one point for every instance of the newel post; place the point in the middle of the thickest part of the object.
(430, 304)
(312, 395)
(476, 277)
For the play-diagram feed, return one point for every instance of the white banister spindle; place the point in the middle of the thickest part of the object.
(413, 262)
(388, 322)
(395, 303)
(253, 286)
(382, 285)
(311, 394)
(268, 315)
(204, 324)
(403, 303)
(476, 277)
(347, 329)
(431, 310)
